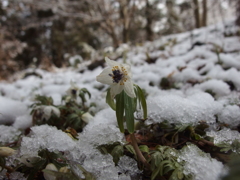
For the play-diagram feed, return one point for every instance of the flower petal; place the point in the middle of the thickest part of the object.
(104, 77)
(111, 63)
(129, 89)
(128, 69)
(116, 89)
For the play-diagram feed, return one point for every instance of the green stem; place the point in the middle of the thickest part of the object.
(138, 152)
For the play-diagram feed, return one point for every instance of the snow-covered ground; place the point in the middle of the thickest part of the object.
(203, 83)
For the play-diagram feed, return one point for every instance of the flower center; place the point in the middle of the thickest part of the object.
(73, 91)
(118, 75)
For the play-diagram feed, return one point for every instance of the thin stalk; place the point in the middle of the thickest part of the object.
(138, 152)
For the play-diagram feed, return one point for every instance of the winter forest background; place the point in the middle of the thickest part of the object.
(47, 33)
(58, 122)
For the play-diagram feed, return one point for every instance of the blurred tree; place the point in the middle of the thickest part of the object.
(152, 14)
(126, 15)
(205, 12)
(196, 13)
(46, 27)
(49, 29)
(238, 13)
(149, 30)
(187, 15)
(57, 40)
(173, 19)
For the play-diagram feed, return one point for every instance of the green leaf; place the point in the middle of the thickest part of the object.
(43, 100)
(116, 153)
(130, 149)
(182, 127)
(60, 175)
(110, 101)
(103, 150)
(157, 156)
(168, 168)
(155, 173)
(73, 116)
(180, 174)
(177, 174)
(142, 100)
(144, 148)
(88, 175)
(84, 90)
(225, 149)
(129, 112)
(2, 163)
(197, 137)
(162, 165)
(120, 110)
(82, 96)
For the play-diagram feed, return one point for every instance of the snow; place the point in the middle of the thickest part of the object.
(224, 136)
(179, 108)
(201, 92)
(9, 134)
(218, 87)
(46, 137)
(11, 109)
(230, 115)
(198, 164)
(128, 166)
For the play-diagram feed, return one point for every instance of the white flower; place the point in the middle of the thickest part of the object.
(118, 76)
(73, 91)
(29, 160)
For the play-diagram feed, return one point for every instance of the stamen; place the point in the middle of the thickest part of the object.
(119, 75)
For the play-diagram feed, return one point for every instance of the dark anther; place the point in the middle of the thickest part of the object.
(117, 76)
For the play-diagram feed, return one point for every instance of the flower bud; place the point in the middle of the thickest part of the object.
(87, 117)
(6, 151)
(48, 176)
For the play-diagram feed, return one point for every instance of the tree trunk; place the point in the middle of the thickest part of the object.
(149, 32)
(108, 27)
(125, 35)
(196, 14)
(238, 13)
(204, 15)
(124, 15)
(115, 40)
